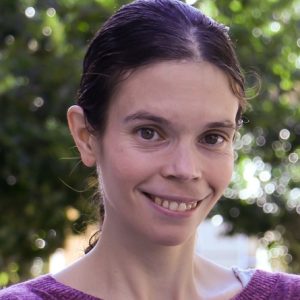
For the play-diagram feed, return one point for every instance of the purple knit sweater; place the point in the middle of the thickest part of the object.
(262, 286)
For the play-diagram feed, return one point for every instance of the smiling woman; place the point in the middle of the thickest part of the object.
(160, 101)
(164, 141)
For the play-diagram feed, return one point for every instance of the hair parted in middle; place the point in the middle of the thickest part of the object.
(150, 31)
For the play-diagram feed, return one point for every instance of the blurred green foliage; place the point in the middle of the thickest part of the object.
(264, 198)
(42, 44)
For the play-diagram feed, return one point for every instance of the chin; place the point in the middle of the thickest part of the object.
(173, 239)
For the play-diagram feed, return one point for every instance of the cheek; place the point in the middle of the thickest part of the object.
(221, 171)
(122, 167)
(227, 173)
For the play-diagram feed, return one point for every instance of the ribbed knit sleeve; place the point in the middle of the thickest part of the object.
(271, 286)
(288, 287)
(43, 288)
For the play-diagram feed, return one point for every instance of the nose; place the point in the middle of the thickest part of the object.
(183, 163)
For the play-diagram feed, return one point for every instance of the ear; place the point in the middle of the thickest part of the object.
(81, 135)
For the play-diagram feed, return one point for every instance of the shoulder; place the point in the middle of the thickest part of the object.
(275, 286)
(15, 293)
(30, 289)
(288, 285)
(43, 288)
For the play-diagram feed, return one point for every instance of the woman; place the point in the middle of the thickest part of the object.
(160, 100)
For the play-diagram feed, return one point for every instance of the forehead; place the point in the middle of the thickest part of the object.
(177, 87)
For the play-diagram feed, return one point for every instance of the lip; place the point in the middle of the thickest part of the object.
(170, 213)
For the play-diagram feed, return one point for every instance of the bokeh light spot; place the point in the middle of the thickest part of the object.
(30, 12)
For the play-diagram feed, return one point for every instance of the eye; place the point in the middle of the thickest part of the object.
(147, 133)
(213, 139)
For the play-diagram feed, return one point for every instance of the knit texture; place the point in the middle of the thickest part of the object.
(262, 286)
(43, 288)
(271, 286)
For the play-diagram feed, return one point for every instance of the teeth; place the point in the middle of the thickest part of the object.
(165, 204)
(158, 201)
(182, 207)
(173, 205)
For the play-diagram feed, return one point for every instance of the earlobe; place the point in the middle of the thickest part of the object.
(81, 135)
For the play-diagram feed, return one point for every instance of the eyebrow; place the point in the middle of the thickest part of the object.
(143, 115)
(223, 124)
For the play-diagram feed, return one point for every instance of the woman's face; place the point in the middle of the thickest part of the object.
(167, 153)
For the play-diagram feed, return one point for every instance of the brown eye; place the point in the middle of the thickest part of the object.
(213, 139)
(148, 134)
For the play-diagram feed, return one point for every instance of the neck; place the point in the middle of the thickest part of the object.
(127, 266)
(143, 269)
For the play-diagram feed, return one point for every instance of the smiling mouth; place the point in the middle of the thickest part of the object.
(172, 205)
